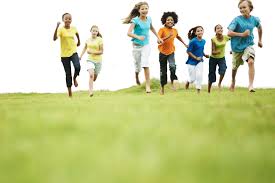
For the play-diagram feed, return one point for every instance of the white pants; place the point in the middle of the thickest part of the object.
(195, 74)
(141, 56)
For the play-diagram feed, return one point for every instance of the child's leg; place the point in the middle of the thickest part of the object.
(237, 61)
(199, 72)
(172, 68)
(222, 70)
(75, 60)
(192, 75)
(147, 79)
(212, 72)
(91, 81)
(67, 67)
(251, 73)
(233, 81)
(163, 71)
(137, 62)
(145, 52)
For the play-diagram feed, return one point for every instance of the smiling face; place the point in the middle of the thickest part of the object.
(143, 10)
(94, 32)
(219, 30)
(199, 32)
(245, 9)
(67, 19)
(169, 22)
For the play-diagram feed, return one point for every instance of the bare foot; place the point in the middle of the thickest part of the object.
(75, 82)
(198, 91)
(251, 89)
(232, 86)
(137, 79)
(219, 87)
(173, 87)
(187, 85)
(91, 94)
(70, 92)
(162, 91)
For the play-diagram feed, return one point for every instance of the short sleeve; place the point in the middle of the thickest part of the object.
(257, 22)
(190, 46)
(134, 21)
(150, 20)
(227, 38)
(232, 26)
(160, 33)
(59, 32)
(100, 41)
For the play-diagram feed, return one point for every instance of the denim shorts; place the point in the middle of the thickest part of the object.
(213, 62)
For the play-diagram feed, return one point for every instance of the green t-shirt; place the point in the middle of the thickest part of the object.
(220, 46)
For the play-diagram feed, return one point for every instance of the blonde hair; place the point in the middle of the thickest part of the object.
(95, 26)
(249, 4)
(134, 13)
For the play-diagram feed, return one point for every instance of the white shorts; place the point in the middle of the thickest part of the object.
(141, 56)
(248, 52)
(96, 66)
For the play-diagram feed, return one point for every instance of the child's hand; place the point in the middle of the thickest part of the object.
(198, 58)
(260, 44)
(207, 56)
(160, 41)
(58, 23)
(246, 33)
(141, 38)
(89, 52)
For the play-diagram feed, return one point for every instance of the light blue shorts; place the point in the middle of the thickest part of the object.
(96, 66)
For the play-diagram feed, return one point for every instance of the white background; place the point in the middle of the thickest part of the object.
(30, 59)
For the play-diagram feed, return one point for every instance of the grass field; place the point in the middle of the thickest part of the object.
(128, 136)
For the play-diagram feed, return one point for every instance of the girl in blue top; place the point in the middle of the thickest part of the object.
(195, 53)
(241, 31)
(139, 32)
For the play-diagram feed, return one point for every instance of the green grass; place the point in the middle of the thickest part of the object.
(129, 136)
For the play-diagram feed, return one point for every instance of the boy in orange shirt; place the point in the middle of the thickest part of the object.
(167, 48)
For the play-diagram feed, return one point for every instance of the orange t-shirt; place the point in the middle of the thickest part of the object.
(168, 46)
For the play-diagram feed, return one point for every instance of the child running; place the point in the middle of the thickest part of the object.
(67, 34)
(242, 40)
(139, 32)
(217, 57)
(167, 48)
(94, 47)
(195, 53)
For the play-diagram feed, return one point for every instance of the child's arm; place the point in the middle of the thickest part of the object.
(238, 34)
(160, 41)
(78, 39)
(99, 52)
(214, 51)
(181, 40)
(55, 32)
(130, 33)
(193, 56)
(260, 33)
(207, 56)
(83, 51)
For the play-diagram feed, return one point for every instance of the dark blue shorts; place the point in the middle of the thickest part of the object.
(213, 62)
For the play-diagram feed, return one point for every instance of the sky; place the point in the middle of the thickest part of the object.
(30, 60)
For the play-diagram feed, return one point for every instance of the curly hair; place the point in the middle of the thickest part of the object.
(169, 14)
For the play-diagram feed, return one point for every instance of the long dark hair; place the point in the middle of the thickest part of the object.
(192, 32)
(134, 13)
